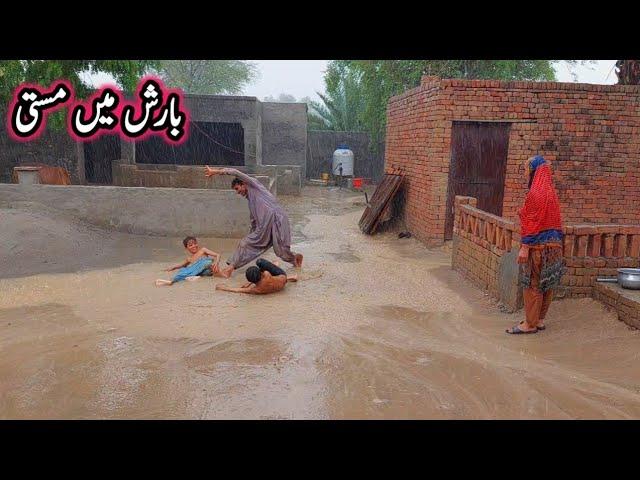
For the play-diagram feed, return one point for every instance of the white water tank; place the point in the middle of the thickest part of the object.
(342, 157)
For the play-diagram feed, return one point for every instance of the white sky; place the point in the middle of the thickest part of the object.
(300, 78)
(600, 72)
(303, 78)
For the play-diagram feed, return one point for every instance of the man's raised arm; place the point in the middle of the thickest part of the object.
(232, 171)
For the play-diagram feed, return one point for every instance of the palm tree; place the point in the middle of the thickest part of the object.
(341, 108)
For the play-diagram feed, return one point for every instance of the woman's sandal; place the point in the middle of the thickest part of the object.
(515, 330)
(541, 327)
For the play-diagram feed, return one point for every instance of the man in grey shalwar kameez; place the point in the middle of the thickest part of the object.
(269, 223)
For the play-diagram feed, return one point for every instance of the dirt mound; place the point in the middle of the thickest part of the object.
(41, 242)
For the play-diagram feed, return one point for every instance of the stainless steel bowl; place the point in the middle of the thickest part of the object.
(627, 278)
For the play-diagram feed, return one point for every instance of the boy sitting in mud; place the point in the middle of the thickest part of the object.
(264, 278)
(198, 263)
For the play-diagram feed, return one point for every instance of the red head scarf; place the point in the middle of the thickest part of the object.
(541, 209)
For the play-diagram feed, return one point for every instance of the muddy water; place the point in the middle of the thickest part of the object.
(379, 327)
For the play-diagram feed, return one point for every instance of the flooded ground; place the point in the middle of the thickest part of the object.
(379, 327)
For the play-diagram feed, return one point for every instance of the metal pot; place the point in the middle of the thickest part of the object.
(627, 278)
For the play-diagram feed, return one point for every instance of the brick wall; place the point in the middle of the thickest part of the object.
(590, 133)
(416, 136)
(485, 247)
(481, 246)
(624, 302)
(597, 251)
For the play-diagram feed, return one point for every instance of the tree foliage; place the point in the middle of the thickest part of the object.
(208, 77)
(283, 98)
(628, 72)
(45, 72)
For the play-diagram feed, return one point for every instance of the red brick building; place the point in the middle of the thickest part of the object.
(471, 137)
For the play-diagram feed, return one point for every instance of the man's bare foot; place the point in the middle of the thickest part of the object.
(292, 278)
(194, 278)
(298, 260)
(226, 273)
(160, 282)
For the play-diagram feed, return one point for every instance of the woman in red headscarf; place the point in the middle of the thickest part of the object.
(540, 253)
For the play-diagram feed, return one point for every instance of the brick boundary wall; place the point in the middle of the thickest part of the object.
(593, 251)
(485, 249)
(625, 305)
(590, 134)
(482, 246)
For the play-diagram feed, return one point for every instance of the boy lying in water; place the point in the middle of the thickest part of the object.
(264, 278)
(198, 264)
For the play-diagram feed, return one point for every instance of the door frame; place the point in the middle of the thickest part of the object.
(449, 220)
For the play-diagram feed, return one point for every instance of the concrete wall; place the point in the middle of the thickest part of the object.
(284, 134)
(288, 178)
(322, 144)
(590, 133)
(279, 179)
(147, 211)
(243, 110)
(53, 148)
(274, 133)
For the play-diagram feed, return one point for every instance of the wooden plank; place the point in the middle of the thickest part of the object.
(386, 213)
(380, 200)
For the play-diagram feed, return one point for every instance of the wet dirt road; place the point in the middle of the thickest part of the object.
(379, 327)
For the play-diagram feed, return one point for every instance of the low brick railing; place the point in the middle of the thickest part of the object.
(490, 231)
(481, 240)
(593, 251)
(483, 243)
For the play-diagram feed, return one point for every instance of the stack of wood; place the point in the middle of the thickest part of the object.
(378, 210)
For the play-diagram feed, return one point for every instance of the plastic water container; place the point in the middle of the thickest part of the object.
(342, 158)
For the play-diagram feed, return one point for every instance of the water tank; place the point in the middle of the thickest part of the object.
(342, 157)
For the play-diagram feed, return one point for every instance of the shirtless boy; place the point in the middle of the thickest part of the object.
(198, 263)
(263, 278)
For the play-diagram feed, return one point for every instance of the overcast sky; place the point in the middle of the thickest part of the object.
(303, 78)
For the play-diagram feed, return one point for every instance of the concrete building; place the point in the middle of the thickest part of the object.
(224, 130)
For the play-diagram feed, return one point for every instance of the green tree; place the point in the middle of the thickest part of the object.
(282, 98)
(44, 72)
(378, 80)
(208, 77)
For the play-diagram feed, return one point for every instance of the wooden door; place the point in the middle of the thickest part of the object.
(478, 166)
(98, 156)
